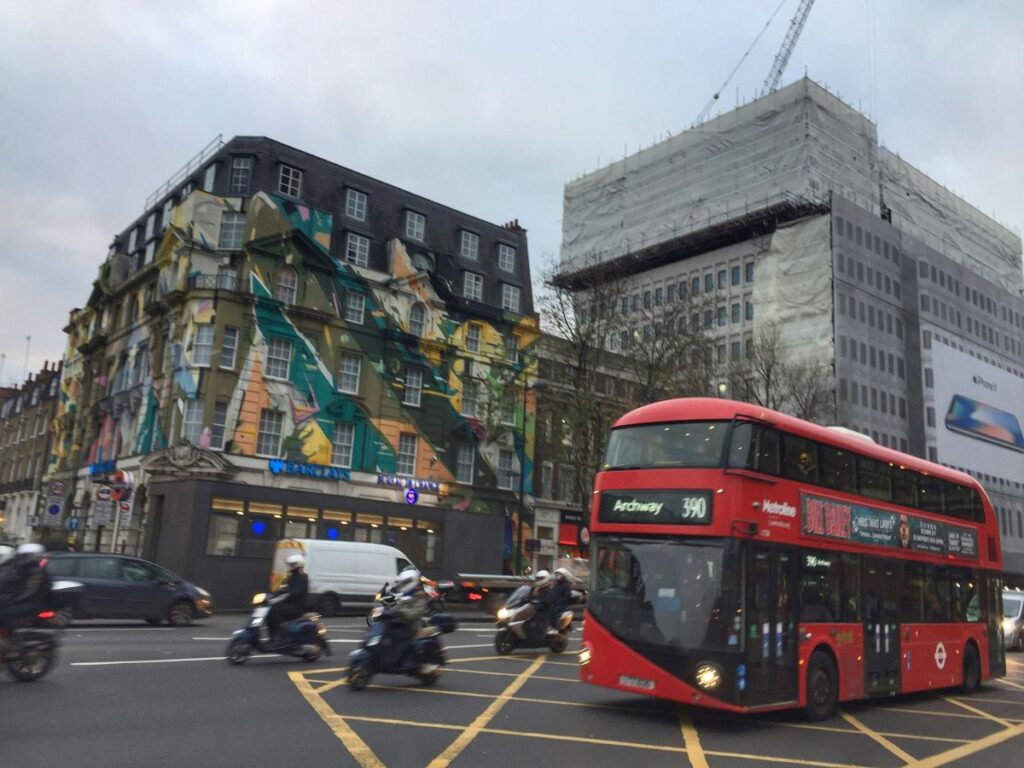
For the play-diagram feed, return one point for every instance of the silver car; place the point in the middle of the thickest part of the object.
(1013, 620)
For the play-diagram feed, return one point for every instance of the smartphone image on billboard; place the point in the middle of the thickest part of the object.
(984, 422)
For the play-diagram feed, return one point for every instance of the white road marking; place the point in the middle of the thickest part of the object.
(76, 630)
(149, 661)
(223, 639)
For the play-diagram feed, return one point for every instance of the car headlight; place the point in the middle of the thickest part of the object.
(708, 675)
(503, 614)
(1007, 625)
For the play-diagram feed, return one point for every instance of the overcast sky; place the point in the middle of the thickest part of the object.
(489, 107)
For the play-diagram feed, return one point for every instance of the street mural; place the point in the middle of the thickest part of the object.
(135, 362)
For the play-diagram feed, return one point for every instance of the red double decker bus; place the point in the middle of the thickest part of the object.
(746, 560)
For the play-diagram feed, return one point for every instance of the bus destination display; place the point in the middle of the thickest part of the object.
(881, 528)
(656, 507)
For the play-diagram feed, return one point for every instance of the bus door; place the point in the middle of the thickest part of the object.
(770, 632)
(882, 592)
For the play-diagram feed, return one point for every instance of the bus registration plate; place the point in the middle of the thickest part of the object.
(636, 682)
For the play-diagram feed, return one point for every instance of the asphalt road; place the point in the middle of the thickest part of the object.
(124, 694)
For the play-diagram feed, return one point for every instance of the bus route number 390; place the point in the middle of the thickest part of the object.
(694, 508)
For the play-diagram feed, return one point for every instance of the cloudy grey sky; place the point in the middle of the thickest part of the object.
(490, 107)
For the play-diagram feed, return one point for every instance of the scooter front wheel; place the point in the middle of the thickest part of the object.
(239, 651)
(557, 643)
(504, 643)
(358, 677)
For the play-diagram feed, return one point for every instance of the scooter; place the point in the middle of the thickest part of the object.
(387, 598)
(305, 637)
(381, 653)
(521, 625)
(29, 653)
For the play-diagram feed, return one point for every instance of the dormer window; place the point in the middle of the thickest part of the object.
(287, 286)
(290, 181)
(469, 245)
(355, 204)
(417, 320)
(415, 225)
(506, 258)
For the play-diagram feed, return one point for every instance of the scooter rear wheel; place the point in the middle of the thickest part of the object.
(358, 677)
(239, 651)
(31, 658)
(504, 643)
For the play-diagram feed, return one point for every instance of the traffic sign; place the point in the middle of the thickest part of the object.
(57, 488)
(411, 496)
(74, 523)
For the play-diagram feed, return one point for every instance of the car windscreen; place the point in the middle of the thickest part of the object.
(1011, 606)
(677, 444)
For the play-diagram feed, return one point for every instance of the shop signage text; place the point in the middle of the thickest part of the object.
(319, 471)
(103, 467)
(395, 481)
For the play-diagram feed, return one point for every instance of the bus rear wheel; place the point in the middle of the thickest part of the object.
(822, 687)
(972, 670)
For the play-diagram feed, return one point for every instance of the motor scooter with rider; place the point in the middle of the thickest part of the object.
(29, 599)
(302, 632)
(526, 619)
(402, 639)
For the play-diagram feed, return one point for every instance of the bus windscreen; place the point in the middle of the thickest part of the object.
(653, 446)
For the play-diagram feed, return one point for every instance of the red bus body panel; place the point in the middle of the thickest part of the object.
(754, 506)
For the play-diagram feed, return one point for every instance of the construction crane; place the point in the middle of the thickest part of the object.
(781, 58)
(771, 83)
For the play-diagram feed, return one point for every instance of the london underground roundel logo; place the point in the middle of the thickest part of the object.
(940, 656)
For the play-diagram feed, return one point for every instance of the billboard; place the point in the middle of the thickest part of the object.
(979, 414)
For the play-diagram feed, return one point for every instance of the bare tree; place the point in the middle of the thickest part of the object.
(768, 377)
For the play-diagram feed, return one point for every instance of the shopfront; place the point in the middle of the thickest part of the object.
(220, 532)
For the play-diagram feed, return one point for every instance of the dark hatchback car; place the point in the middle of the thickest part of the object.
(123, 587)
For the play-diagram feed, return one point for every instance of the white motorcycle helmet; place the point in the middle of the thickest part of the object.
(6, 553)
(564, 573)
(31, 549)
(541, 578)
(294, 561)
(407, 579)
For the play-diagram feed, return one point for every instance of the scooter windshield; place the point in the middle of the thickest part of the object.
(520, 597)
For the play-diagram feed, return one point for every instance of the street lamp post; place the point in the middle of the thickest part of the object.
(535, 387)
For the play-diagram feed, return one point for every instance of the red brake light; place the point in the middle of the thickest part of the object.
(475, 596)
(47, 614)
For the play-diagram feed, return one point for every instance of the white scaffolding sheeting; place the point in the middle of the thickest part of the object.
(795, 144)
(946, 222)
(793, 291)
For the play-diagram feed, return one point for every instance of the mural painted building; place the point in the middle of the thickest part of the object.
(281, 347)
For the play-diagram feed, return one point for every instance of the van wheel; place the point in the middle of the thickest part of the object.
(972, 670)
(822, 687)
(330, 605)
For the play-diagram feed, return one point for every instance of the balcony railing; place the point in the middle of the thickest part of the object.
(214, 282)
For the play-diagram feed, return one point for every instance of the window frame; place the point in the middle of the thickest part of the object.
(271, 414)
(357, 249)
(274, 361)
(289, 178)
(357, 204)
(344, 374)
(415, 225)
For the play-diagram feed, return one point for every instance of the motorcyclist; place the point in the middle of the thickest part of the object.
(289, 600)
(540, 594)
(24, 584)
(410, 606)
(560, 593)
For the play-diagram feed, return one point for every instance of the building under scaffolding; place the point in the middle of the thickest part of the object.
(788, 211)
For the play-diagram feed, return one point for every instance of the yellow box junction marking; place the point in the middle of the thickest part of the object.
(355, 745)
(905, 757)
(691, 740)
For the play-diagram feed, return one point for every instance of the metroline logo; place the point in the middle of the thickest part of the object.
(778, 508)
(622, 505)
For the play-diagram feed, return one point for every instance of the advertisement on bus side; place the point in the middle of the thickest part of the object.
(861, 524)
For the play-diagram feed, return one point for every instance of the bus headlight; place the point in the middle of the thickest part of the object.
(585, 656)
(708, 676)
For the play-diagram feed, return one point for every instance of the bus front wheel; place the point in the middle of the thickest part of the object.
(972, 669)
(822, 687)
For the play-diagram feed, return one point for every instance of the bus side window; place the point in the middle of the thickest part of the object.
(741, 446)
(966, 605)
(766, 450)
(799, 458)
(850, 594)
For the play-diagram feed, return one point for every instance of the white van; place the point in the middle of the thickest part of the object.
(340, 572)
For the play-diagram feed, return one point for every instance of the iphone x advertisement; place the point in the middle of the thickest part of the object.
(979, 410)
